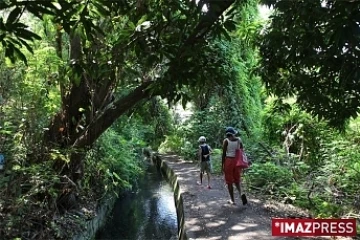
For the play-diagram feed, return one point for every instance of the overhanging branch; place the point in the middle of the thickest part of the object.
(216, 9)
(106, 119)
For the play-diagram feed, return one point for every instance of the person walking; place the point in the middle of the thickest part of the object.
(204, 158)
(229, 168)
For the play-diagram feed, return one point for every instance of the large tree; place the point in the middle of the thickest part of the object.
(144, 47)
(311, 50)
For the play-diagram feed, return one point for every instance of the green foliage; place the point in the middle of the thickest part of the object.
(237, 103)
(113, 164)
(298, 131)
(25, 108)
(309, 55)
(151, 120)
(216, 161)
(70, 14)
(210, 123)
(177, 51)
(27, 191)
(30, 95)
(319, 166)
(270, 175)
(172, 143)
(337, 181)
(87, 60)
(135, 29)
(113, 47)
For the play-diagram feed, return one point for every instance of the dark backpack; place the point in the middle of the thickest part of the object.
(204, 151)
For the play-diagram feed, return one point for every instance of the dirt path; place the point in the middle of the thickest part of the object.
(209, 216)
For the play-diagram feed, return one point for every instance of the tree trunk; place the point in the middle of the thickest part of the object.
(85, 115)
(104, 120)
(86, 112)
(57, 135)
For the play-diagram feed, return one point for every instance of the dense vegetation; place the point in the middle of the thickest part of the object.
(85, 87)
(297, 128)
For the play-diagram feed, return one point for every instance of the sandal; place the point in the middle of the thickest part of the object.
(244, 199)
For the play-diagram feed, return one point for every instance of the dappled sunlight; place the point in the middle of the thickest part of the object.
(242, 227)
(92, 95)
(208, 215)
(215, 223)
(193, 225)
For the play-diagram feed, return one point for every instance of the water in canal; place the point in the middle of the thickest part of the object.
(149, 213)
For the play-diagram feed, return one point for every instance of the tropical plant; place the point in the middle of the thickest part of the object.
(309, 51)
(84, 66)
(239, 102)
(112, 46)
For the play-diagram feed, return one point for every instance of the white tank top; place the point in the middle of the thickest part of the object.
(231, 147)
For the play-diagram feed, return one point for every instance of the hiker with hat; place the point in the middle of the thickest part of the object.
(232, 173)
(204, 157)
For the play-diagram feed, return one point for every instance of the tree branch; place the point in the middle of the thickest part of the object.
(216, 9)
(100, 124)
(104, 120)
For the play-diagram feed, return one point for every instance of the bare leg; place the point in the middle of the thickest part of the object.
(237, 185)
(231, 193)
(208, 177)
(242, 197)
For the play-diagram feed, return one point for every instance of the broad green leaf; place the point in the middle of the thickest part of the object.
(13, 16)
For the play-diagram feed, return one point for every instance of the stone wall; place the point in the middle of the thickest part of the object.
(93, 225)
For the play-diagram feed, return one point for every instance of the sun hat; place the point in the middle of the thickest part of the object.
(231, 130)
(202, 139)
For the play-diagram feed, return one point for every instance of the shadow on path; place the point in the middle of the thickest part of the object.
(209, 216)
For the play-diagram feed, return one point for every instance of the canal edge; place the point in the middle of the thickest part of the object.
(90, 227)
(173, 181)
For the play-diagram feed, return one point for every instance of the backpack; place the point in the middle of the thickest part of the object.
(204, 151)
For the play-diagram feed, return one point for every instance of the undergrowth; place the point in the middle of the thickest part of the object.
(29, 206)
(299, 160)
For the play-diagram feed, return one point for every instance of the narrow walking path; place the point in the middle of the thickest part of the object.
(209, 216)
